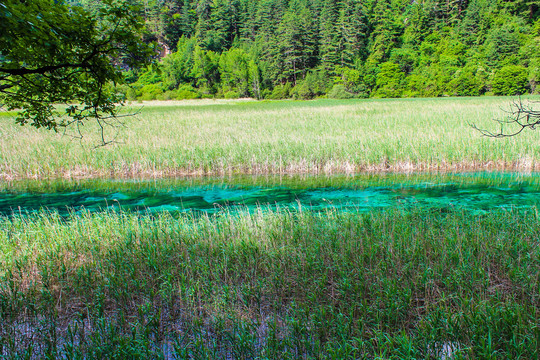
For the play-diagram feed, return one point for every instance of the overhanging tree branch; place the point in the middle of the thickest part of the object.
(42, 70)
(521, 116)
(54, 53)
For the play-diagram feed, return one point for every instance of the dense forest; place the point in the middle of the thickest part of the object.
(339, 48)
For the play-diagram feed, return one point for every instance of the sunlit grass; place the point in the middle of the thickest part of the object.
(248, 137)
(392, 285)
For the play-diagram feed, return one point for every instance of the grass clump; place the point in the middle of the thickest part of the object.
(418, 284)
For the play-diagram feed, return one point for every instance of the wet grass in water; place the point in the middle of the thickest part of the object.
(401, 285)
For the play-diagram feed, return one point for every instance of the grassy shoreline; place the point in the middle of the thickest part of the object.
(395, 285)
(278, 137)
(136, 171)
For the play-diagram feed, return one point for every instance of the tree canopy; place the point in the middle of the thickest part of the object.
(362, 48)
(54, 52)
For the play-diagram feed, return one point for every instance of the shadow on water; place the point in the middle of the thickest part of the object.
(472, 191)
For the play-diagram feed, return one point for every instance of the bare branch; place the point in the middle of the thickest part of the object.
(520, 117)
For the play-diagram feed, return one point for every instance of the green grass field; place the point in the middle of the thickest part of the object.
(285, 137)
(385, 285)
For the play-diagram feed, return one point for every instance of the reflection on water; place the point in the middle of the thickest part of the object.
(479, 192)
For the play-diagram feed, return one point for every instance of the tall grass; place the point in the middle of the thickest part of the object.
(392, 285)
(247, 137)
(294, 181)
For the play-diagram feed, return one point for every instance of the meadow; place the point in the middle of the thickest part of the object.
(219, 137)
(271, 283)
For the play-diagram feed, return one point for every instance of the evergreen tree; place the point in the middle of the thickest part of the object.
(351, 32)
(181, 22)
(204, 27)
(329, 36)
(527, 9)
(388, 26)
(223, 25)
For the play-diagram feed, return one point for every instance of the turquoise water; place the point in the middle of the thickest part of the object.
(479, 192)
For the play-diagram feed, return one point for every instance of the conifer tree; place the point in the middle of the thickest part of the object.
(223, 25)
(329, 36)
(440, 46)
(351, 32)
(388, 27)
(203, 27)
(182, 18)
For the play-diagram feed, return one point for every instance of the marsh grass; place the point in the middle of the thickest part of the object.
(271, 284)
(278, 137)
(302, 181)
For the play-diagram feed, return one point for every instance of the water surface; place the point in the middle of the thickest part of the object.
(471, 191)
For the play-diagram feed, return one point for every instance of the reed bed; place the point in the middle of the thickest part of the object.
(277, 137)
(271, 284)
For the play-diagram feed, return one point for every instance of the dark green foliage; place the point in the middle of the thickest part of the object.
(340, 92)
(442, 47)
(503, 43)
(280, 92)
(224, 25)
(181, 21)
(57, 53)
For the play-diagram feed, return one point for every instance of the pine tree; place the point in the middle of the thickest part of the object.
(297, 43)
(528, 9)
(203, 27)
(290, 47)
(248, 20)
(181, 19)
(285, 40)
(329, 36)
(351, 32)
(223, 25)
(308, 29)
(267, 43)
(387, 28)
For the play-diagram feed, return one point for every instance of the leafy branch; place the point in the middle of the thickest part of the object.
(53, 53)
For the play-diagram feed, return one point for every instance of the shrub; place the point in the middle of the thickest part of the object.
(266, 94)
(339, 92)
(131, 94)
(150, 92)
(510, 80)
(170, 95)
(465, 83)
(125, 92)
(281, 92)
(186, 92)
(231, 95)
(302, 91)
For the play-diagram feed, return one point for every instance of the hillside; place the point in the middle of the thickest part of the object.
(348, 48)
